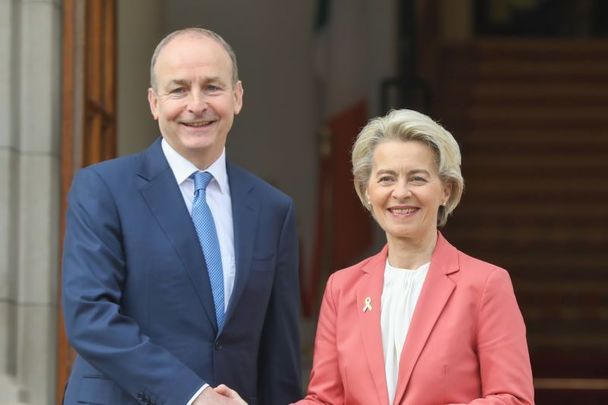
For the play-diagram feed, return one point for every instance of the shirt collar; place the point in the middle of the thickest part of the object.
(182, 168)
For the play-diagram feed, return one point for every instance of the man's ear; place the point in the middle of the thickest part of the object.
(238, 97)
(153, 102)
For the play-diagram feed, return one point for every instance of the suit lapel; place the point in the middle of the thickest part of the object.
(245, 210)
(161, 192)
(369, 290)
(437, 289)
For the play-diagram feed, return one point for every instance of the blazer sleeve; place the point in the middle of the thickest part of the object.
(506, 375)
(325, 385)
(279, 356)
(94, 272)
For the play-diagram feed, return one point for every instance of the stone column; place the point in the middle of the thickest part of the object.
(9, 390)
(30, 60)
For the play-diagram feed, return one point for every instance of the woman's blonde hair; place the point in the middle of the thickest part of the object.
(406, 126)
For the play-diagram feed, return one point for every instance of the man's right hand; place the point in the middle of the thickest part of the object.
(211, 397)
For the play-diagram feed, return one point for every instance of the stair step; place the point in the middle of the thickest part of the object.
(527, 186)
(537, 150)
(522, 73)
(538, 161)
(529, 212)
(526, 138)
(523, 235)
(459, 121)
(575, 49)
(583, 114)
(536, 99)
(587, 50)
(572, 327)
(578, 145)
(501, 92)
(566, 340)
(566, 195)
(493, 71)
(565, 287)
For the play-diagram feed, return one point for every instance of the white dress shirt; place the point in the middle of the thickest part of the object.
(399, 297)
(220, 204)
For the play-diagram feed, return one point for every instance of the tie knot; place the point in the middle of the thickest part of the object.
(201, 180)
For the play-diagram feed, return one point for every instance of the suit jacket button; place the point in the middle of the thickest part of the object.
(218, 346)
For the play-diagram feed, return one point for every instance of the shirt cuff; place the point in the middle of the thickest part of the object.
(196, 394)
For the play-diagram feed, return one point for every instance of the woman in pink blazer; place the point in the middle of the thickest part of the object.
(420, 322)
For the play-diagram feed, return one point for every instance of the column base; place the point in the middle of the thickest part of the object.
(10, 392)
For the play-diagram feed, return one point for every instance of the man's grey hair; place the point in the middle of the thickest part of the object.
(194, 31)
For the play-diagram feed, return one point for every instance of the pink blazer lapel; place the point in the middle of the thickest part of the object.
(369, 298)
(435, 293)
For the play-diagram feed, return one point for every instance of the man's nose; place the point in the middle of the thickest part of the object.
(197, 103)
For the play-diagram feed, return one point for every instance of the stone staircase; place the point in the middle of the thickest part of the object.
(531, 117)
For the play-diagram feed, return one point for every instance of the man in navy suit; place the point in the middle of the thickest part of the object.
(138, 303)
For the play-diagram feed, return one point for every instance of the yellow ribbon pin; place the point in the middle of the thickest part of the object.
(368, 304)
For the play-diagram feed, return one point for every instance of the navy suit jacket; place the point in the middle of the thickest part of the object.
(137, 299)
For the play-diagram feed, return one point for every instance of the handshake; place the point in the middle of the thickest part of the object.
(219, 395)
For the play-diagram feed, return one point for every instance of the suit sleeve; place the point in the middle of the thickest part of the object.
(325, 385)
(94, 273)
(279, 356)
(506, 375)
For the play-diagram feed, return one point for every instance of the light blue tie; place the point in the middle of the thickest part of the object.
(207, 236)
